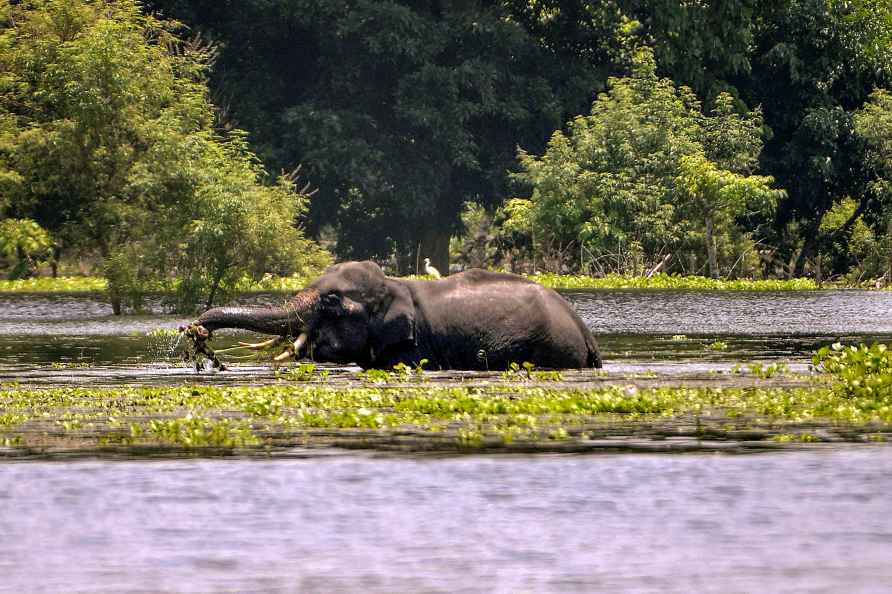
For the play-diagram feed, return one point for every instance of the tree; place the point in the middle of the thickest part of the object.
(815, 62)
(26, 243)
(721, 196)
(613, 181)
(110, 138)
(873, 124)
(704, 45)
(402, 110)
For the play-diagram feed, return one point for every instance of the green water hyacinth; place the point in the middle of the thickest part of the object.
(539, 415)
(858, 371)
(667, 281)
(62, 284)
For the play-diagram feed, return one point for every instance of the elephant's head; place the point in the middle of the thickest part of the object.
(353, 313)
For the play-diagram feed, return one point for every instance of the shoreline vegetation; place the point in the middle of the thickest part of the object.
(847, 400)
(272, 284)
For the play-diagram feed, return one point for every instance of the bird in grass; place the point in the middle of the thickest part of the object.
(430, 270)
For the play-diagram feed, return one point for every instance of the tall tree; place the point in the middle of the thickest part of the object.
(110, 138)
(645, 172)
(403, 110)
(815, 62)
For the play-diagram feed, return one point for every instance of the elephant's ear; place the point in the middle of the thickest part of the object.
(394, 320)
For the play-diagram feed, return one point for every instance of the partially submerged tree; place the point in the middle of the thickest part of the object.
(718, 197)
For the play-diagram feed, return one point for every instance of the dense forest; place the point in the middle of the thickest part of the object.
(744, 137)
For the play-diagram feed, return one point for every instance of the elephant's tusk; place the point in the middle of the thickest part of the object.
(259, 346)
(299, 343)
(293, 350)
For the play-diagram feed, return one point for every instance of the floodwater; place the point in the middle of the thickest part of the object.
(664, 330)
(815, 519)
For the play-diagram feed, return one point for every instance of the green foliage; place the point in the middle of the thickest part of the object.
(667, 281)
(859, 371)
(403, 111)
(376, 376)
(25, 243)
(437, 416)
(128, 279)
(62, 284)
(304, 372)
(197, 432)
(851, 240)
(873, 123)
(115, 146)
(642, 174)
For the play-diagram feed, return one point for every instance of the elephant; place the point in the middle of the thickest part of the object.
(473, 320)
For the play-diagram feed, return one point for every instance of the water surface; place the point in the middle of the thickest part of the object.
(810, 521)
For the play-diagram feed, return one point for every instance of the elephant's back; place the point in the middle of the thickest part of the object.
(489, 320)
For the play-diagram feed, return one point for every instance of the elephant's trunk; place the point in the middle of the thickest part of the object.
(267, 320)
(289, 320)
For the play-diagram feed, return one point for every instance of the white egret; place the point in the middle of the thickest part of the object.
(430, 270)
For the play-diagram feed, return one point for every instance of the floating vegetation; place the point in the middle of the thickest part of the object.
(717, 345)
(291, 284)
(859, 371)
(763, 370)
(303, 372)
(666, 281)
(62, 284)
(70, 364)
(423, 416)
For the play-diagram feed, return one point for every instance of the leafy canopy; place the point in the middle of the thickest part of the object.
(643, 169)
(108, 139)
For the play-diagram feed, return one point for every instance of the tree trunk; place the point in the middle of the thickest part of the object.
(710, 248)
(809, 248)
(819, 274)
(54, 262)
(889, 243)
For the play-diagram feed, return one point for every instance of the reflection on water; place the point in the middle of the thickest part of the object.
(794, 522)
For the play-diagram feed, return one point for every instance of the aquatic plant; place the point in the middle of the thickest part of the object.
(858, 371)
(666, 281)
(425, 416)
(62, 284)
(301, 373)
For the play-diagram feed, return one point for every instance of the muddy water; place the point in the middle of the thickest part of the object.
(665, 332)
(792, 522)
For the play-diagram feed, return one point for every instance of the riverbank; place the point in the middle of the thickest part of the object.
(90, 284)
(404, 411)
